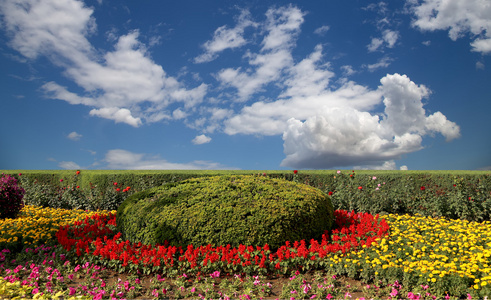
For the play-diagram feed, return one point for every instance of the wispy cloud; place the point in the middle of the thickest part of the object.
(226, 38)
(322, 30)
(459, 17)
(120, 159)
(68, 165)
(384, 62)
(115, 83)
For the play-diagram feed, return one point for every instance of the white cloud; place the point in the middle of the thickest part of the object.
(126, 77)
(388, 165)
(68, 165)
(270, 118)
(201, 139)
(426, 43)
(384, 62)
(322, 30)
(375, 44)
(403, 168)
(74, 136)
(388, 39)
(226, 38)
(480, 65)
(119, 115)
(347, 70)
(308, 78)
(345, 136)
(282, 27)
(119, 159)
(459, 17)
(438, 122)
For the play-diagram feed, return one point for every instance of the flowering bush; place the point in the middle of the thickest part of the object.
(10, 197)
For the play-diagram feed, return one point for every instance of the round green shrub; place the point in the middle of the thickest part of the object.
(221, 210)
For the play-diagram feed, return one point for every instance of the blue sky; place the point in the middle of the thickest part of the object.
(263, 85)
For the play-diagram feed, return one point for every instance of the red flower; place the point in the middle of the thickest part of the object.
(115, 183)
(128, 188)
(20, 174)
(330, 193)
(78, 186)
(423, 188)
(360, 187)
(78, 172)
(61, 180)
(117, 190)
(295, 171)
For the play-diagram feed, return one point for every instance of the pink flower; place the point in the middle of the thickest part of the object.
(215, 274)
(193, 289)
(329, 296)
(61, 180)
(469, 297)
(393, 293)
(35, 291)
(72, 291)
(155, 293)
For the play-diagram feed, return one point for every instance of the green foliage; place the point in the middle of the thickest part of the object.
(437, 195)
(221, 210)
(453, 194)
(10, 197)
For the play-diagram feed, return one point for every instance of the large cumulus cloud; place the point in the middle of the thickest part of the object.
(341, 136)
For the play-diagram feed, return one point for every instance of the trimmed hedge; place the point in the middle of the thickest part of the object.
(221, 210)
(469, 199)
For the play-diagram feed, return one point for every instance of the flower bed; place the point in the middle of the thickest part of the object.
(91, 237)
(390, 256)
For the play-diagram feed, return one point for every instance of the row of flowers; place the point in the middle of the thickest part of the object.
(37, 225)
(93, 237)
